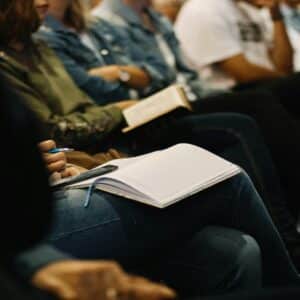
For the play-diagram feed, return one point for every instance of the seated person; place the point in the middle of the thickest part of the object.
(31, 211)
(57, 273)
(105, 72)
(74, 120)
(235, 50)
(147, 235)
(143, 26)
(168, 8)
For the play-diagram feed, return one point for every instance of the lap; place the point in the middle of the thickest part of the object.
(116, 228)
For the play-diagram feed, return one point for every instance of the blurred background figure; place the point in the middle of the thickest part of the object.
(169, 8)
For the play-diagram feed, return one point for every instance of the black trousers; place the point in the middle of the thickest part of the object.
(286, 89)
(268, 294)
(280, 129)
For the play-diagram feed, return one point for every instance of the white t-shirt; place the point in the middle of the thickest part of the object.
(214, 30)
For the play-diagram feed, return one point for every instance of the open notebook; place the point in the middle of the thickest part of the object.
(163, 177)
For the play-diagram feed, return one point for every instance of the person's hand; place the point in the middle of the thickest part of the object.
(70, 171)
(125, 104)
(109, 73)
(96, 280)
(55, 162)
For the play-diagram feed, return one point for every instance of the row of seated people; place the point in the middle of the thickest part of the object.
(74, 74)
(97, 54)
(55, 275)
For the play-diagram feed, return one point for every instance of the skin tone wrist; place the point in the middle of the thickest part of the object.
(276, 13)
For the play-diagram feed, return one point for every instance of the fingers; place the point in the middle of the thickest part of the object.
(91, 280)
(55, 162)
(114, 153)
(55, 177)
(69, 171)
(53, 285)
(47, 145)
(140, 288)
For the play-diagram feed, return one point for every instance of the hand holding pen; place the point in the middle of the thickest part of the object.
(56, 160)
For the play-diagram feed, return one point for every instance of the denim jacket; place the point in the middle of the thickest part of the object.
(132, 54)
(123, 16)
(78, 59)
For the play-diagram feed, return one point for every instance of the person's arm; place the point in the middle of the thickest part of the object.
(282, 50)
(89, 124)
(91, 280)
(129, 52)
(101, 90)
(281, 53)
(64, 277)
(243, 71)
(137, 78)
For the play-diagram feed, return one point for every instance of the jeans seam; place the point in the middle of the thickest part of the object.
(238, 199)
(63, 235)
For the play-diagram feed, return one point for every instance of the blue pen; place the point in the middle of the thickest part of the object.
(57, 150)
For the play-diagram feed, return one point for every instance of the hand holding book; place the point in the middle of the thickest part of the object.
(155, 106)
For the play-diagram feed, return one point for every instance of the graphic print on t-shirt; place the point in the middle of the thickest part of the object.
(250, 32)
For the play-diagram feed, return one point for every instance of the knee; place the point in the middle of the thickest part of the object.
(237, 248)
(248, 266)
(243, 121)
(238, 256)
(249, 254)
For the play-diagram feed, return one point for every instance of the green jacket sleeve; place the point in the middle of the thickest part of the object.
(86, 125)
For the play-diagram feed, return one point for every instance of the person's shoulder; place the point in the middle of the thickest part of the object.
(8, 65)
(50, 37)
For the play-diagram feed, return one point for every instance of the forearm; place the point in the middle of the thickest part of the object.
(243, 71)
(256, 73)
(139, 79)
(82, 129)
(282, 52)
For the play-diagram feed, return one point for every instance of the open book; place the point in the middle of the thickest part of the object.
(163, 177)
(155, 106)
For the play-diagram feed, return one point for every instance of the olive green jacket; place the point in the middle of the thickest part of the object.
(70, 116)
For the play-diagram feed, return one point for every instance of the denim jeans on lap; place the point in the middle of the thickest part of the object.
(135, 234)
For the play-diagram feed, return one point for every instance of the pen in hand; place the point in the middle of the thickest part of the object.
(57, 150)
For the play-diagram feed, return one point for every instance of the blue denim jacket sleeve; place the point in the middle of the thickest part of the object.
(150, 61)
(101, 91)
(132, 54)
(158, 72)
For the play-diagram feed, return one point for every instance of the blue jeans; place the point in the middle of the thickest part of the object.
(147, 240)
